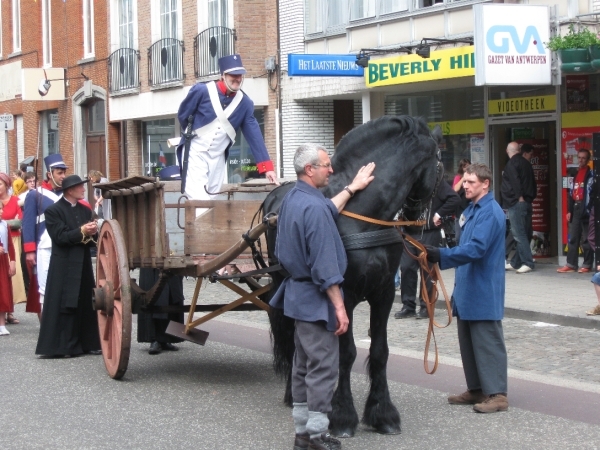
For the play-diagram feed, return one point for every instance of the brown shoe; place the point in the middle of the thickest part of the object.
(594, 312)
(494, 403)
(325, 442)
(584, 270)
(468, 398)
(301, 441)
(566, 269)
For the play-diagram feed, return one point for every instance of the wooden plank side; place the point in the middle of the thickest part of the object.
(220, 227)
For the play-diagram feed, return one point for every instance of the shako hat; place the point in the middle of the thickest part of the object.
(71, 181)
(170, 173)
(231, 65)
(54, 161)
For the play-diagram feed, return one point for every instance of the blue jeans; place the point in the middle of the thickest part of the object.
(520, 226)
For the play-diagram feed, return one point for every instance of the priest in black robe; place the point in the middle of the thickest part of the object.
(69, 324)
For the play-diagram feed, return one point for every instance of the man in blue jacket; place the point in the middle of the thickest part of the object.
(478, 298)
(310, 248)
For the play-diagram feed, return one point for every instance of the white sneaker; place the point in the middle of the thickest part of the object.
(4, 332)
(524, 269)
(507, 266)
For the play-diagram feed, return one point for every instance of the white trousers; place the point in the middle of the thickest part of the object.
(206, 167)
(43, 263)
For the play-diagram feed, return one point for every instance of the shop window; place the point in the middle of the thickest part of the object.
(240, 161)
(156, 153)
(459, 112)
(50, 137)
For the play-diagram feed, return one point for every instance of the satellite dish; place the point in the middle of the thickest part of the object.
(44, 87)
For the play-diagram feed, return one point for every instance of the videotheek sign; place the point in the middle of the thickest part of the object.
(509, 44)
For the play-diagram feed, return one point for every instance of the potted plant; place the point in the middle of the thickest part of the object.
(574, 49)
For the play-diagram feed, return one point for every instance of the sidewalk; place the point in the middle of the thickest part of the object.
(545, 296)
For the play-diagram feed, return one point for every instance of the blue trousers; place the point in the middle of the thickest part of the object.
(520, 226)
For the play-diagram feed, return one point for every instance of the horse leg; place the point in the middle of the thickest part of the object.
(343, 419)
(380, 413)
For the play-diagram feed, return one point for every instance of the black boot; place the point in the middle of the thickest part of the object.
(155, 348)
(405, 312)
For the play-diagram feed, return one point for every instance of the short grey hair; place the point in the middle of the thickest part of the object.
(306, 154)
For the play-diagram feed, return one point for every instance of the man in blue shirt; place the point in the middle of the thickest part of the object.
(478, 298)
(309, 247)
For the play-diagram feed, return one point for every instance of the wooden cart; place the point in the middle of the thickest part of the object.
(153, 226)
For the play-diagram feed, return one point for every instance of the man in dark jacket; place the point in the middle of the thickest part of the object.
(444, 203)
(69, 324)
(518, 190)
(578, 199)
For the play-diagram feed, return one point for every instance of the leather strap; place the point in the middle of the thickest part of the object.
(370, 239)
(223, 115)
(430, 298)
(386, 223)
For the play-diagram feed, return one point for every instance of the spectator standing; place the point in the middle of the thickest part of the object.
(518, 190)
(578, 199)
(444, 203)
(457, 185)
(18, 184)
(36, 241)
(478, 297)
(69, 324)
(12, 214)
(309, 247)
(7, 270)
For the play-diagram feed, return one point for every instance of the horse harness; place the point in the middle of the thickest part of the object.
(389, 236)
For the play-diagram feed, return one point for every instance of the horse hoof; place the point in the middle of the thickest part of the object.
(342, 434)
(388, 429)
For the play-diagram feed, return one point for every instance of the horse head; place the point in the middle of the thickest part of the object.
(407, 159)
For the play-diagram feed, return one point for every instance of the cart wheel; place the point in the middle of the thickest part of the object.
(112, 299)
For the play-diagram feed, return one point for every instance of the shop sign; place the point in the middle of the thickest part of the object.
(323, 66)
(448, 63)
(456, 127)
(522, 105)
(509, 44)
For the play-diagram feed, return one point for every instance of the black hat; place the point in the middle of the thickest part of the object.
(71, 181)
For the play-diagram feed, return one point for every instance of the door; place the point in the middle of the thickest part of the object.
(542, 135)
(96, 158)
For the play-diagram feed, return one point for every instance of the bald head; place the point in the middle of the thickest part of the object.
(512, 149)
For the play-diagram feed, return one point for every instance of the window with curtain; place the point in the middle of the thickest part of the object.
(359, 9)
(391, 6)
(313, 20)
(337, 12)
(126, 24)
(218, 14)
(88, 28)
(16, 23)
(46, 33)
(168, 19)
(50, 139)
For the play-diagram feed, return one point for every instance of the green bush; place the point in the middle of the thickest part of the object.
(580, 39)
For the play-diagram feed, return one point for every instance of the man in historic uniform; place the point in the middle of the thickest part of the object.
(36, 241)
(69, 324)
(219, 109)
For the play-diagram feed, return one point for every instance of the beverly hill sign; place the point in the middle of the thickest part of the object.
(448, 63)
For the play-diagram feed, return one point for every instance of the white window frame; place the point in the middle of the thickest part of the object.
(204, 21)
(88, 28)
(46, 34)
(16, 25)
(115, 24)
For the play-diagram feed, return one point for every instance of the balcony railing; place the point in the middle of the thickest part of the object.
(210, 45)
(123, 70)
(165, 62)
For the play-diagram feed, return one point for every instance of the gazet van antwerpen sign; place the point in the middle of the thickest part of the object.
(448, 63)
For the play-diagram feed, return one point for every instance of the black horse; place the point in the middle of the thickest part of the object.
(407, 169)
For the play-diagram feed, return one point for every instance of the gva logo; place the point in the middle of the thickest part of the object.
(531, 34)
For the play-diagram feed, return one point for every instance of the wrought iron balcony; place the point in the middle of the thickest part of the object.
(165, 62)
(210, 45)
(123, 70)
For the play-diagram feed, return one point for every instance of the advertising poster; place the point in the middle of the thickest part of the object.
(572, 140)
(540, 243)
(477, 149)
(578, 87)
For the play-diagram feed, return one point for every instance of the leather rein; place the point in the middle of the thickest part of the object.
(433, 274)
